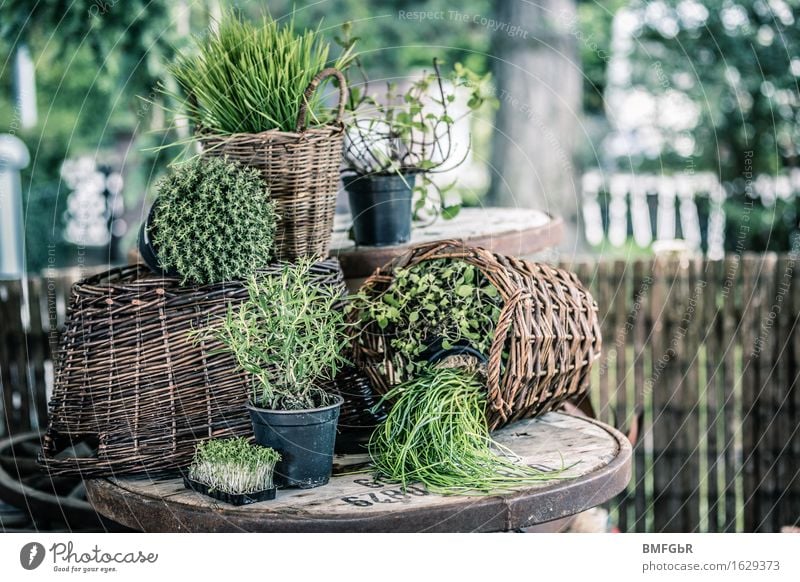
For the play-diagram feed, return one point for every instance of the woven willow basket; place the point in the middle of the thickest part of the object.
(131, 383)
(548, 327)
(301, 170)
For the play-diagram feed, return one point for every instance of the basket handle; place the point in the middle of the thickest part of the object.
(312, 87)
(494, 364)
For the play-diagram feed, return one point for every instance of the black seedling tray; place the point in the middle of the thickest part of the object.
(232, 498)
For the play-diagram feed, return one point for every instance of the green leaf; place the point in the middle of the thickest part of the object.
(464, 290)
(450, 212)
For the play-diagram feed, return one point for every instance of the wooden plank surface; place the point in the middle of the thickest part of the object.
(508, 231)
(598, 457)
(730, 380)
(713, 276)
(642, 287)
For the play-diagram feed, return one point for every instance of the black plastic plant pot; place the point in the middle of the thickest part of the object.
(146, 248)
(305, 440)
(232, 498)
(381, 208)
(435, 352)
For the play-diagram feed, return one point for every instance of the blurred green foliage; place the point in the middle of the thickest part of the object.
(737, 61)
(592, 31)
(393, 38)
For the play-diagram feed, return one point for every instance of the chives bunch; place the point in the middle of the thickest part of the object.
(247, 79)
(234, 466)
(436, 434)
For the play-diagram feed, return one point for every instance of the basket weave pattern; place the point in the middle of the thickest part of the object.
(301, 170)
(132, 380)
(548, 327)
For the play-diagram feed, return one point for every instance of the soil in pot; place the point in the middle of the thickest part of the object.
(381, 208)
(305, 440)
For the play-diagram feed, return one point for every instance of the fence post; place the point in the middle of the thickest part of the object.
(13, 158)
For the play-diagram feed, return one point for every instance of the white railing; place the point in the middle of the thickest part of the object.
(674, 198)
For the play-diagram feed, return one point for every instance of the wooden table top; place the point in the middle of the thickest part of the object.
(508, 231)
(598, 456)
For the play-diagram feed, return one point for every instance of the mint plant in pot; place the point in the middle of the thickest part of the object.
(290, 334)
(395, 143)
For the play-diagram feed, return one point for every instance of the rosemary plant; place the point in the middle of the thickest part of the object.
(234, 466)
(214, 221)
(445, 300)
(244, 78)
(436, 434)
(290, 335)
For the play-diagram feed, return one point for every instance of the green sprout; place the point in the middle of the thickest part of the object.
(234, 466)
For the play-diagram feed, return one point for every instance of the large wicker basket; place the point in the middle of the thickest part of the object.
(301, 170)
(548, 327)
(133, 384)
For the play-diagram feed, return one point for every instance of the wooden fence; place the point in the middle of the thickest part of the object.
(32, 314)
(705, 353)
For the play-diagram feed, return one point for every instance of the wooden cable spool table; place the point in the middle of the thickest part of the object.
(598, 458)
(508, 231)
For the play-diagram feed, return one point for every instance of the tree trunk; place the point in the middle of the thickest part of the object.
(538, 79)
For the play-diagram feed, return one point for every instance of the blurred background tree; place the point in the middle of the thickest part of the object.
(735, 67)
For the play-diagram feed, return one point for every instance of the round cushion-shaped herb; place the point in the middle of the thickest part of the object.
(214, 221)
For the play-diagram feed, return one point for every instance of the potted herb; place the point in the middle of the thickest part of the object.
(233, 470)
(254, 91)
(213, 220)
(289, 334)
(395, 143)
(432, 311)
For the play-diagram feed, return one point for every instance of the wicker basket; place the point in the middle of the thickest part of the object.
(548, 327)
(301, 170)
(132, 384)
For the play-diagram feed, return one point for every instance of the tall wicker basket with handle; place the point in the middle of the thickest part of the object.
(301, 169)
(547, 329)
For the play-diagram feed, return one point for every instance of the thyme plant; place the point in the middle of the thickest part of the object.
(213, 221)
(290, 335)
(234, 466)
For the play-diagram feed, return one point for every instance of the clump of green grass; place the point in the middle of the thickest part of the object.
(436, 434)
(244, 78)
(234, 466)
